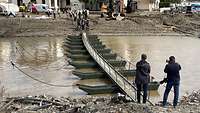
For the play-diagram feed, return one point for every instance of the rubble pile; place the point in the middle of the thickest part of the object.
(86, 104)
(93, 104)
(192, 99)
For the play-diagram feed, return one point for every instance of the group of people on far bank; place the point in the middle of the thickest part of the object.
(80, 17)
(142, 79)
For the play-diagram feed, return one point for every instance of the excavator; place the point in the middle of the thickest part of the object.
(114, 9)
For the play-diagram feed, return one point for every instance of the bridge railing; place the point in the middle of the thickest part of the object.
(117, 77)
(129, 65)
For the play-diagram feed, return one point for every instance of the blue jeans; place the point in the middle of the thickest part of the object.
(171, 83)
(141, 87)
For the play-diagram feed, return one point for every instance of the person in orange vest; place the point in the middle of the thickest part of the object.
(103, 9)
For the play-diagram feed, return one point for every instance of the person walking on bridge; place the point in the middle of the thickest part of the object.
(173, 79)
(142, 77)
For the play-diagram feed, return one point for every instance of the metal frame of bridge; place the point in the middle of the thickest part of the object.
(127, 87)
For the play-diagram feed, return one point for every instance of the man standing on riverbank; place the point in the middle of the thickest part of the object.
(142, 77)
(173, 79)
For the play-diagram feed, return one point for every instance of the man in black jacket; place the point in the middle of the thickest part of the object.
(173, 79)
(142, 77)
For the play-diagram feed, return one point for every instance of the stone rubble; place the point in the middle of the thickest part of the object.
(93, 104)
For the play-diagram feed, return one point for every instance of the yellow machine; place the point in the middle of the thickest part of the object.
(104, 8)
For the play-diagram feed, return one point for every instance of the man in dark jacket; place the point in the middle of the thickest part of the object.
(173, 79)
(142, 77)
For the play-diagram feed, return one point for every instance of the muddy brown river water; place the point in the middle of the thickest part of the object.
(43, 58)
(40, 57)
(158, 49)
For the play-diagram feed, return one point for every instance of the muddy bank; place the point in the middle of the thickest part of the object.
(134, 24)
(149, 24)
(92, 104)
(29, 27)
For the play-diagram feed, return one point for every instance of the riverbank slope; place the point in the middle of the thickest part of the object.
(93, 104)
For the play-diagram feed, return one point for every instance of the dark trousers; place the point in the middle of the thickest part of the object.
(175, 84)
(141, 87)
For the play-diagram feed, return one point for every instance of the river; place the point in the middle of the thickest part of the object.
(158, 49)
(43, 58)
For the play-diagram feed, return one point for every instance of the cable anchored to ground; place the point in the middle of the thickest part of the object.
(49, 84)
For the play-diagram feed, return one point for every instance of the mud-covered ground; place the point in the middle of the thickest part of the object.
(27, 27)
(134, 24)
(149, 24)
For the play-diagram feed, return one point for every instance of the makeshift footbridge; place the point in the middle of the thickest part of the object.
(115, 67)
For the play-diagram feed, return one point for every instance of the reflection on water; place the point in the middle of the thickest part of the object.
(40, 52)
(40, 57)
(158, 49)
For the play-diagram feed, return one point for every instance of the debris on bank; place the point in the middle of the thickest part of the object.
(192, 99)
(93, 104)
